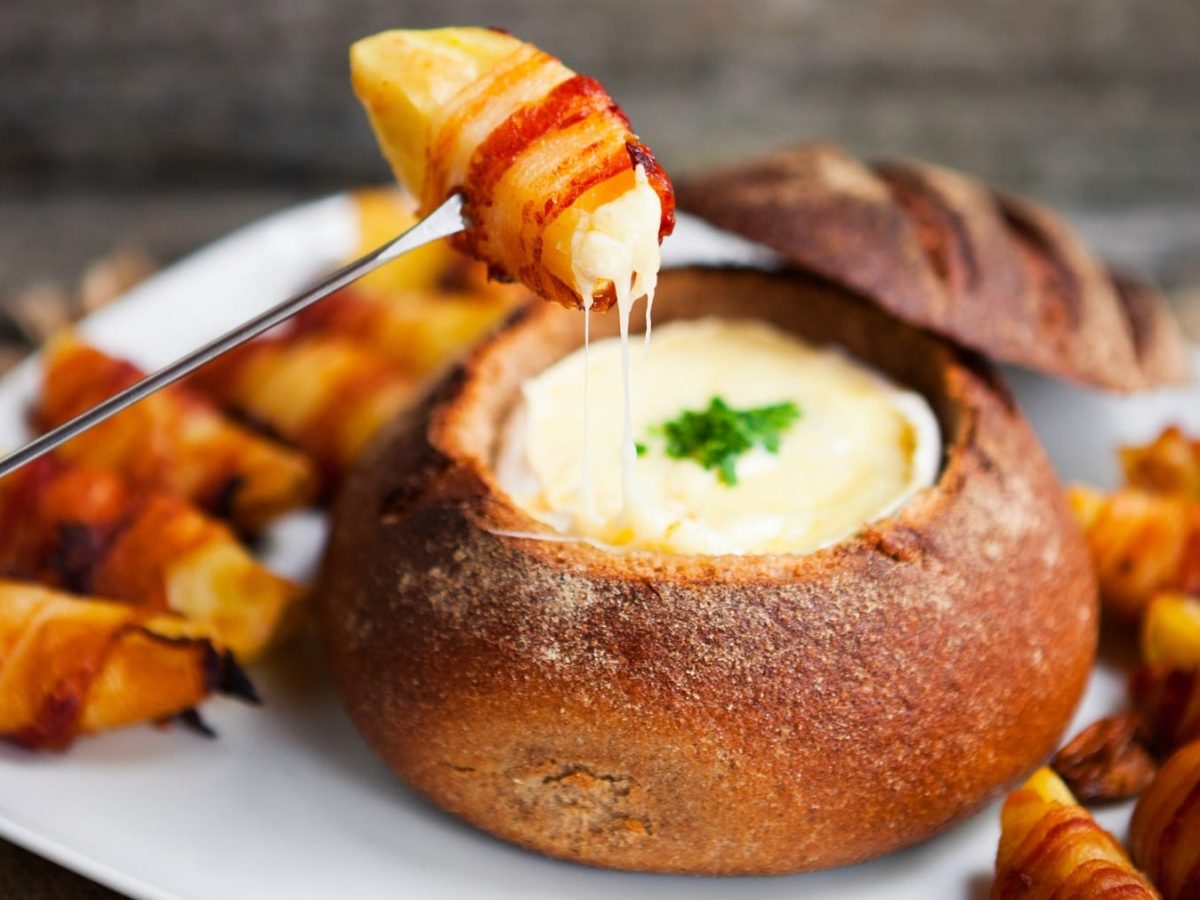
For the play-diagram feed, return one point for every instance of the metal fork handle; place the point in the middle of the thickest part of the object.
(444, 221)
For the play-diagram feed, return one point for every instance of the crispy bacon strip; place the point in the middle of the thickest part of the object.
(535, 164)
(174, 440)
(70, 667)
(85, 530)
(1165, 832)
(1169, 464)
(1051, 847)
(1142, 543)
(325, 393)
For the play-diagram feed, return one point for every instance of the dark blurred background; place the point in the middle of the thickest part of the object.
(167, 123)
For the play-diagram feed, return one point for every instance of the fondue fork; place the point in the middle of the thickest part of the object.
(444, 221)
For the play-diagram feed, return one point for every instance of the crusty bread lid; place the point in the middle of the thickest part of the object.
(941, 250)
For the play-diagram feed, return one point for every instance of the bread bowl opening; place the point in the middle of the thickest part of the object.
(869, 395)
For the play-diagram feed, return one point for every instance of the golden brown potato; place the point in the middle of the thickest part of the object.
(70, 666)
(418, 332)
(1051, 847)
(174, 440)
(1142, 543)
(87, 531)
(384, 212)
(381, 214)
(1171, 631)
(325, 393)
(1165, 833)
(1169, 464)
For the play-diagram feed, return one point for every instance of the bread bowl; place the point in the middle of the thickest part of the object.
(709, 714)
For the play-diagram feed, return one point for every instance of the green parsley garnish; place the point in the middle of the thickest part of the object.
(641, 448)
(715, 437)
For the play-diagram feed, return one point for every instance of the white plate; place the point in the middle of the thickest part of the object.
(288, 802)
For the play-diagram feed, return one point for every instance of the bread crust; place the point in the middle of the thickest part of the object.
(713, 715)
(939, 249)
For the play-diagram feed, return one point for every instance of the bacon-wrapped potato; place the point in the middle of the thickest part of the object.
(1169, 464)
(419, 333)
(559, 193)
(324, 393)
(70, 666)
(1165, 832)
(1051, 847)
(174, 440)
(87, 531)
(1142, 544)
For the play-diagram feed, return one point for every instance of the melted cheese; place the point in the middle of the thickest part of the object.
(610, 237)
(861, 448)
(618, 243)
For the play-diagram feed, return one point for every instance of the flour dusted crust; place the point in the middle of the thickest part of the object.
(939, 249)
(712, 715)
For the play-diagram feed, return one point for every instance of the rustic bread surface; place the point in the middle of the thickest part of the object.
(941, 250)
(712, 715)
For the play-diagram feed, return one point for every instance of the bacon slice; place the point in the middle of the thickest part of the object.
(524, 138)
(1051, 847)
(85, 530)
(325, 393)
(1142, 544)
(70, 667)
(175, 440)
(1165, 832)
